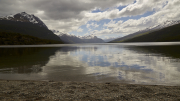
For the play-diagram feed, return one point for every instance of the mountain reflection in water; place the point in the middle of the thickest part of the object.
(94, 63)
(24, 60)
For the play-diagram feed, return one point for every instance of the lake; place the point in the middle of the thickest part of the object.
(133, 63)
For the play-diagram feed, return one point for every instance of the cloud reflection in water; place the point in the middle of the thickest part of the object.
(116, 62)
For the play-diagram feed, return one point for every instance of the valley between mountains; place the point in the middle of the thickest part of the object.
(28, 29)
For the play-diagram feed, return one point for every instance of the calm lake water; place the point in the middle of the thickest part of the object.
(135, 63)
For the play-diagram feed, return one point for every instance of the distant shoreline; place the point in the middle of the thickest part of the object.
(50, 90)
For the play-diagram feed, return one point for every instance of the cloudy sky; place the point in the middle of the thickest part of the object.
(103, 18)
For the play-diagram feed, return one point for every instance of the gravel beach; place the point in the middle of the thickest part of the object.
(85, 91)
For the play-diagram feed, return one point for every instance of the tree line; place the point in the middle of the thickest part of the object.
(12, 38)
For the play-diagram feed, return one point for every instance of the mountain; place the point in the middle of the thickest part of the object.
(109, 39)
(28, 25)
(130, 36)
(68, 38)
(164, 25)
(9, 38)
(148, 31)
(91, 39)
(24, 17)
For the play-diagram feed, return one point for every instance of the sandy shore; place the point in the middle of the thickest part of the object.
(83, 91)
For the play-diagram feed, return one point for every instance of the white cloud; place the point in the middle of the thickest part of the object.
(113, 24)
(63, 15)
(170, 11)
(79, 30)
(120, 60)
(91, 26)
(69, 15)
(101, 32)
(138, 8)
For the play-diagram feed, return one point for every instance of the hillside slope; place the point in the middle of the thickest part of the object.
(148, 30)
(75, 39)
(10, 38)
(28, 25)
(168, 34)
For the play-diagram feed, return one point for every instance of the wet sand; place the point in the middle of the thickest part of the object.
(84, 91)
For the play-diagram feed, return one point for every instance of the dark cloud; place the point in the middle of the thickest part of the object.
(69, 15)
(64, 15)
(57, 9)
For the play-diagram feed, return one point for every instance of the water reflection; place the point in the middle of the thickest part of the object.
(24, 60)
(103, 63)
(117, 62)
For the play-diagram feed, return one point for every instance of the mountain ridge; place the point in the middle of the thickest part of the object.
(69, 38)
(27, 24)
(148, 30)
(24, 17)
(166, 34)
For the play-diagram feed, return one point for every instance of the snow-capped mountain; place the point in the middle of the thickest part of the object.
(161, 25)
(24, 17)
(63, 34)
(149, 29)
(71, 35)
(109, 39)
(69, 38)
(88, 37)
(165, 24)
(27, 24)
(55, 31)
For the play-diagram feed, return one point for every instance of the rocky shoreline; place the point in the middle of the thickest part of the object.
(82, 91)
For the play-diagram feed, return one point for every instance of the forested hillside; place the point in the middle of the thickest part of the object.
(28, 28)
(12, 38)
(169, 34)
